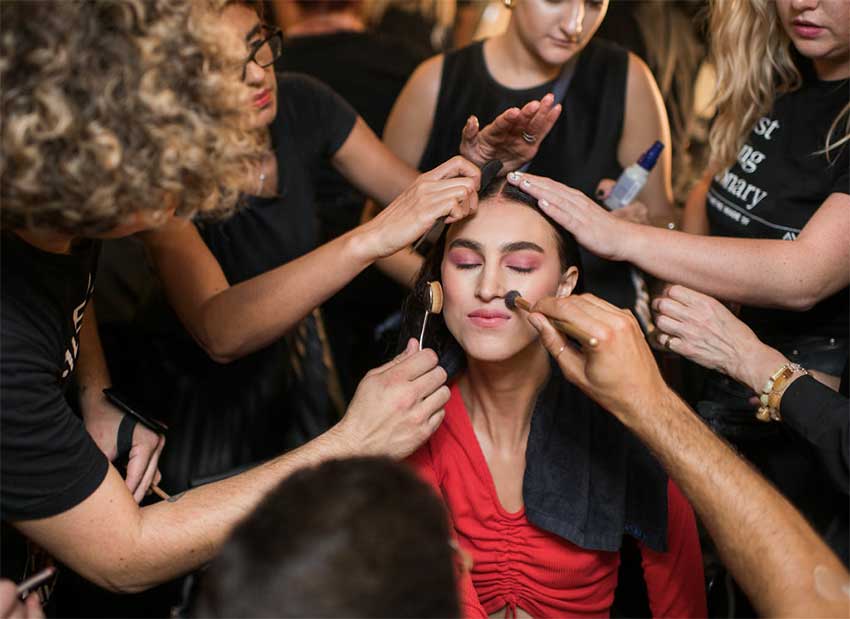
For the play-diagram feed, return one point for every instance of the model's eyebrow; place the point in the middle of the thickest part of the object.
(507, 248)
(520, 246)
(467, 244)
(254, 31)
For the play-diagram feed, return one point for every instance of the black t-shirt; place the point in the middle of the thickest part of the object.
(775, 187)
(312, 122)
(49, 461)
(580, 150)
(346, 61)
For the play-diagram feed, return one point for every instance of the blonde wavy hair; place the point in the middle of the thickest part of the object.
(110, 109)
(752, 56)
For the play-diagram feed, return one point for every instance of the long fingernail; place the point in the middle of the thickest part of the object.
(526, 183)
(514, 176)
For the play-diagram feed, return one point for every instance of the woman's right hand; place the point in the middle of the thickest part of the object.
(448, 191)
(595, 228)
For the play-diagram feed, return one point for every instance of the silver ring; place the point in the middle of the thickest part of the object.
(528, 137)
(560, 351)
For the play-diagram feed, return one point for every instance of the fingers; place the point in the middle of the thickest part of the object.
(8, 598)
(150, 471)
(666, 306)
(416, 365)
(544, 118)
(568, 358)
(412, 346)
(430, 382)
(456, 166)
(670, 326)
(136, 467)
(33, 607)
(471, 128)
(432, 406)
(603, 189)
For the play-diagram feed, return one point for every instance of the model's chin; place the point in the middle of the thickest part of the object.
(493, 348)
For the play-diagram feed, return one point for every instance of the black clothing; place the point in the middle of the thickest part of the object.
(49, 461)
(822, 417)
(775, 187)
(346, 61)
(579, 151)
(222, 417)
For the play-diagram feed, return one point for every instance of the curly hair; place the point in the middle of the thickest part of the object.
(116, 108)
(752, 74)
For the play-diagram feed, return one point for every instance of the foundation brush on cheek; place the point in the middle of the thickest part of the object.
(514, 301)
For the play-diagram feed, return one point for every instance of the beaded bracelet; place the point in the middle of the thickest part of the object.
(771, 393)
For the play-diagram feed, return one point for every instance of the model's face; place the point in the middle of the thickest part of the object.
(505, 246)
(556, 30)
(820, 30)
(245, 25)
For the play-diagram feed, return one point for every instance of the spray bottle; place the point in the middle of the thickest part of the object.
(633, 179)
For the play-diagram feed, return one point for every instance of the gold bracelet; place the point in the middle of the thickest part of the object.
(774, 388)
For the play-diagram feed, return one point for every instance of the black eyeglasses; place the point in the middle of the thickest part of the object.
(265, 52)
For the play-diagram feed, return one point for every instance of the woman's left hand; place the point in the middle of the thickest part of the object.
(702, 329)
(505, 138)
(595, 228)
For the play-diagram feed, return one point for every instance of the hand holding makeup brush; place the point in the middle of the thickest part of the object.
(448, 191)
(618, 369)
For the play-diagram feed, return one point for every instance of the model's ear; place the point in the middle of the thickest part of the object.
(568, 282)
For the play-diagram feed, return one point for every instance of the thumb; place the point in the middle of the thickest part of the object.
(470, 130)
(603, 189)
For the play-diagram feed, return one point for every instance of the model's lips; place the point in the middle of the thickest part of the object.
(488, 318)
(567, 43)
(806, 29)
(263, 99)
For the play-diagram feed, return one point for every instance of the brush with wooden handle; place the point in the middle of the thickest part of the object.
(514, 300)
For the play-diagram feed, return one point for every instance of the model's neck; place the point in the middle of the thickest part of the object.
(52, 242)
(513, 65)
(326, 24)
(500, 396)
(830, 70)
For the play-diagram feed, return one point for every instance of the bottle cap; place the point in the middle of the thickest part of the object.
(648, 160)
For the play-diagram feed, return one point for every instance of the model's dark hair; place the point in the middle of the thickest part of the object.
(437, 334)
(362, 537)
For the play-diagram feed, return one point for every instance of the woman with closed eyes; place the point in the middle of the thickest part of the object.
(541, 484)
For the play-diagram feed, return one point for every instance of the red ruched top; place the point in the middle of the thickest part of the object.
(517, 565)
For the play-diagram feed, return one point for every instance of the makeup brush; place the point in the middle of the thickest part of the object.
(434, 302)
(513, 300)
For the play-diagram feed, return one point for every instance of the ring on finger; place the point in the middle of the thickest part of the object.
(560, 350)
(529, 137)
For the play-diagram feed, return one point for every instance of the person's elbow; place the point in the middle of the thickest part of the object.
(805, 297)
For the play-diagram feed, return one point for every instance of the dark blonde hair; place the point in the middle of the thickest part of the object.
(115, 108)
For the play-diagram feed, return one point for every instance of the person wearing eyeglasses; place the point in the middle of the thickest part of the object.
(252, 374)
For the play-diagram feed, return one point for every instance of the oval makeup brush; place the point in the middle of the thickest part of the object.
(434, 302)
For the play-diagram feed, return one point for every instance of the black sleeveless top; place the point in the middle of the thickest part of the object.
(580, 150)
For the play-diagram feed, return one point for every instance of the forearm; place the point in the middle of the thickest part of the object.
(92, 372)
(766, 273)
(769, 548)
(248, 316)
(403, 266)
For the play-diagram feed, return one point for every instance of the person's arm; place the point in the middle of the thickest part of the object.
(644, 122)
(109, 540)
(675, 583)
(792, 275)
(770, 549)
(705, 331)
(268, 305)
(102, 419)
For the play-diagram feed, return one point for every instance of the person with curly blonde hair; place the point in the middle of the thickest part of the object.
(116, 114)
(769, 225)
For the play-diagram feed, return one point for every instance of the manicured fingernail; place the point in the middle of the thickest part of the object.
(543, 202)
(514, 176)
(525, 183)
